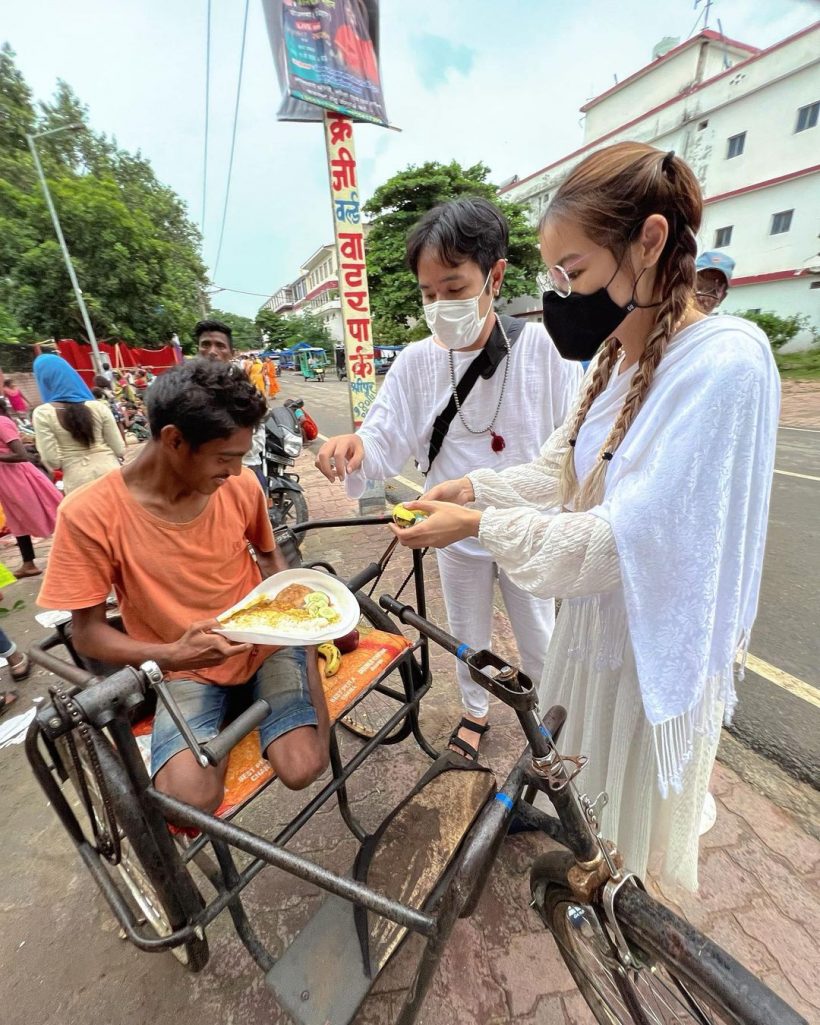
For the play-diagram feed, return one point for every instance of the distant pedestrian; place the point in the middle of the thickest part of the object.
(73, 431)
(714, 272)
(28, 497)
(16, 399)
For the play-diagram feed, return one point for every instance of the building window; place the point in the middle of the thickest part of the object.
(807, 117)
(814, 284)
(736, 144)
(781, 222)
(702, 125)
(723, 237)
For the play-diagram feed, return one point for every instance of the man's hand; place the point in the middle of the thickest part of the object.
(445, 524)
(459, 492)
(199, 648)
(340, 455)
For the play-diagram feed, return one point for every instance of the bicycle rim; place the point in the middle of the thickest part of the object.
(649, 994)
(194, 954)
(372, 712)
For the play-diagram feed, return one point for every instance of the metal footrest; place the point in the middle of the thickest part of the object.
(327, 971)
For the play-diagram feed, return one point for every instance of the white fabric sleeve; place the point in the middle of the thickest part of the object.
(565, 556)
(531, 484)
(389, 433)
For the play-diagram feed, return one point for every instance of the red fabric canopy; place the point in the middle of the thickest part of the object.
(78, 354)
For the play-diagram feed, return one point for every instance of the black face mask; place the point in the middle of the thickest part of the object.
(580, 324)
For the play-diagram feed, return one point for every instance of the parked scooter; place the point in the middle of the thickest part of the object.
(283, 443)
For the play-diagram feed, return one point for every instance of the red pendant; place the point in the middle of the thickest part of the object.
(497, 444)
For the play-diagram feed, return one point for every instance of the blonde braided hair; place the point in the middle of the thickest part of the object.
(608, 195)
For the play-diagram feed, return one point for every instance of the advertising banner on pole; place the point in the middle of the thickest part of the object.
(326, 54)
(353, 291)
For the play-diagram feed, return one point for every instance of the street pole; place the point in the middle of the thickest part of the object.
(98, 364)
(354, 294)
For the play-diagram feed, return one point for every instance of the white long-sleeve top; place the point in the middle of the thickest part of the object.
(539, 392)
(568, 555)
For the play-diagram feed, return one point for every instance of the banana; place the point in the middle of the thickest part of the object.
(332, 656)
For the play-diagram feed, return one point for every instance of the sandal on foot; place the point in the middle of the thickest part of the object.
(464, 749)
(22, 669)
(7, 699)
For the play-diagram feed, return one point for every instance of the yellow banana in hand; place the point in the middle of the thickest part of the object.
(332, 656)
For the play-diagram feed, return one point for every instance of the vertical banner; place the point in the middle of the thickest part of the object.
(353, 291)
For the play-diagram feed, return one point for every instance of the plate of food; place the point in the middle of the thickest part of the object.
(292, 608)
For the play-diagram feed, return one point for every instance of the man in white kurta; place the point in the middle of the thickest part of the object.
(524, 402)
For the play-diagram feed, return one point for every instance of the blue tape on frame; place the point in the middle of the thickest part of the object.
(505, 799)
(462, 650)
(545, 732)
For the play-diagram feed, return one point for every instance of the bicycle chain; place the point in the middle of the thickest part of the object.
(106, 836)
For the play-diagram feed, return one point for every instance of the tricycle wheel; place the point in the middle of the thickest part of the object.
(144, 886)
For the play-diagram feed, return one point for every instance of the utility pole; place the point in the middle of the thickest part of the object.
(98, 364)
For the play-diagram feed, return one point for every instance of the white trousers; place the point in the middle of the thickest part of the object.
(467, 583)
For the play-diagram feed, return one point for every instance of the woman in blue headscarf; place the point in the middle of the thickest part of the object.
(73, 431)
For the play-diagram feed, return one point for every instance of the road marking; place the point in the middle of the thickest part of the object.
(802, 476)
(409, 484)
(783, 679)
(807, 430)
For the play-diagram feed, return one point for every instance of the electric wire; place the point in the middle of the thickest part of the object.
(233, 137)
(207, 113)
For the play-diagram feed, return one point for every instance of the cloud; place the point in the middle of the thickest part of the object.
(436, 56)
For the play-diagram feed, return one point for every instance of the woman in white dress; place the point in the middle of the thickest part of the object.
(646, 510)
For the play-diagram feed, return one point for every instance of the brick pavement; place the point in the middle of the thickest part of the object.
(759, 892)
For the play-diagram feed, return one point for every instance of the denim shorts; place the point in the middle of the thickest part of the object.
(281, 680)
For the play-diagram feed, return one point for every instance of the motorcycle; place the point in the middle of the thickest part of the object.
(283, 443)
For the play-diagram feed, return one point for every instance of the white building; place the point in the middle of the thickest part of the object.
(748, 122)
(316, 290)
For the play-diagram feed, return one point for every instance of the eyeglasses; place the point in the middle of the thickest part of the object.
(556, 279)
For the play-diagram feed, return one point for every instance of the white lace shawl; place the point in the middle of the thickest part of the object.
(674, 565)
(687, 497)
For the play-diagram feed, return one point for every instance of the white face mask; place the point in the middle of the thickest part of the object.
(456, 322)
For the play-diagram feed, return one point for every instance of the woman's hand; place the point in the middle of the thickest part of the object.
(459, 492)
(445, 524)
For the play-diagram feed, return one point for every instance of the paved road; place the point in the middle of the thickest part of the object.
(786, 642)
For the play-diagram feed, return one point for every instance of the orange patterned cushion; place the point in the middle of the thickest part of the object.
(248, 771)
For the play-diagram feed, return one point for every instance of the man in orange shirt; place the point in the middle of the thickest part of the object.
(170, 533)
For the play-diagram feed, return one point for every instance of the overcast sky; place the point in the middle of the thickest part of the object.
(499, 81)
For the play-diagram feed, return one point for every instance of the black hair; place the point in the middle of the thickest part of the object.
(204, 399)
(213, 325)
(101, 381)
(77, 419)
(9, 380)
(97, 392)
(5, 407)
(469, 228)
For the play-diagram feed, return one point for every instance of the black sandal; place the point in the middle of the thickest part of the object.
(464, 749)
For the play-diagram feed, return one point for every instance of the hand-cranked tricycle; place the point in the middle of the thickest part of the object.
(419, 871)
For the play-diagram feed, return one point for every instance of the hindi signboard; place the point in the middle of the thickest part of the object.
(326, 54)
(353, 291)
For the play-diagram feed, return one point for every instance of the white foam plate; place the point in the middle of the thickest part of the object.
(341, 598)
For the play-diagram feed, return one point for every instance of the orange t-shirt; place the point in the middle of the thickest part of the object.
(165, 575)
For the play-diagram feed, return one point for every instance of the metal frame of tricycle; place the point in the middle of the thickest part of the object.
(140, 806)
(144, 812)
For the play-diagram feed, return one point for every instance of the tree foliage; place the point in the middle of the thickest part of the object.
(283, 330)
(244, 330)
(135, 252)
(779, 330)
(394, 209)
